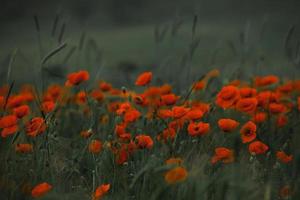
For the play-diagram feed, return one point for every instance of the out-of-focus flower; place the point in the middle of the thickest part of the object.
(228, 125)
(258, 148)
(144, 141)
(24, 148)
(76, 78)
(40, 190)
(144, 79)
(95, 146)
(176, 175)
(222, 154)
(283, 157)
(101, 191)
(35, 126)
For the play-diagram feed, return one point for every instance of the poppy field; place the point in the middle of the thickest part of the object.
(91, 140)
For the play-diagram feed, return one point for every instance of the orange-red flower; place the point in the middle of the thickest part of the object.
(247, 92)
(95, 146)
(199, 85)
(169, 99)
(247, 105)
(24, 148)
(198, 129)
(35, 126)
(101, 191)
(16, 100)
(277, 108)
(257, 148)
(281, 120)
(194, 114)
(144, 141)
(176, 175)
(265, 80)
(131, 116)
(140, 100)
(298, 102)
(81, 97)
(164, 113)
(40, 190)
(174, 161)
(228, 125)
(86, 133)
(144, 79)
(76, 78)
(222, 154)
(283, 157)
(169, 133)
(228, 96)
(21, 111)
(53, 93)
(48, 106)
(8, 121)
(9, 125)
(259, 117)
(104, 86)
(97, 95)
(179, 111)
(9, 131)
(248, 132)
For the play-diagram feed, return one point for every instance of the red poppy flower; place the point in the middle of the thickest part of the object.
(41, 189)
(35, 126)
(248, 132)
(247, 105)
(281, 120)
(248, 92)
(175, 175)
(24, 148)
(198, 129)
(81, 97)
(48, 106)
(164, 113)
(9, 125)
(144, 141)
(131, 116)
(227, 97)
(169, 99)
(101, 191)
(9, 131)
(194, 114)
(257, 148)
(259, 117)
(104, 86)
(228, 125)
(283, 157)
(97, 95)
(222, 154)
(144, 79)
(265, 80)
(277, 108)
(179, 111)
(8, 121)
(76, 78)
(95, 146)
(21, 111)
(169, 133)
(15, 101)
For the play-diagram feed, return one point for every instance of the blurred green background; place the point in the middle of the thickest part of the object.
(116, 39)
